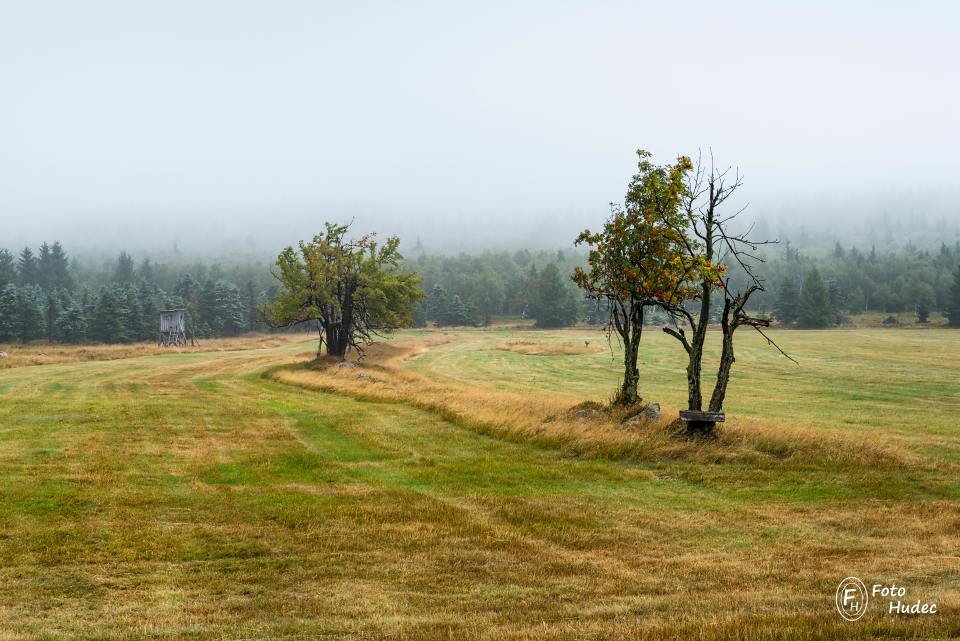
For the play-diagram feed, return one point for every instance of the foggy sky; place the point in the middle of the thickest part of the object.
(133, 123)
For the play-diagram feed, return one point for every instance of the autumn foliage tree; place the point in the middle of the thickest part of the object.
(639, 258)
(354, 288)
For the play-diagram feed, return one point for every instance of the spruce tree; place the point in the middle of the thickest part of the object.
(150, 313)
(51, 310)
(953, 313)
(205, 311)
(437, 304)
(185, 290)
(235, 322)
(488, 292)
(123, 272)
(107, 323)
(145, 272)
(88, 303)
(458, 313)
(528, 290)
(133, 319)
(227, 310)
(30, 321)
(250, 300)
(27, 268)
(926, 299)
(815, 311)
(551, 303)
(71, 324)
(43, 267)
(9, 304)
(787, 306)
(58, 271)
(8, 269)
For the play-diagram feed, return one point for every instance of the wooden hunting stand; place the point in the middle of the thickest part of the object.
(173, 327)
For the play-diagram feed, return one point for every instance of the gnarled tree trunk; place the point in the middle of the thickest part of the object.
(337, 322)
(628, 321)
(336, 339)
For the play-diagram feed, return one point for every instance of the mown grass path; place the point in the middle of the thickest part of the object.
(184, 496)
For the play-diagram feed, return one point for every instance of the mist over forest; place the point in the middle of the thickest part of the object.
(167, 155)
(815, 224)
(238, 131)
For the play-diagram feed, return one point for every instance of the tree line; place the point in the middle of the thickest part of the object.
(46, 296)
(803, 290)
(474, 290)
(820, 290)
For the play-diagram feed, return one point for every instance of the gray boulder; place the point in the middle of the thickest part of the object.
(650, 413)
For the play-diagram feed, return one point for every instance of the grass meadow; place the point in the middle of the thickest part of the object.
(248, 492)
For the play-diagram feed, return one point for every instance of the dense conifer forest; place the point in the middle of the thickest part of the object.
(45, 294)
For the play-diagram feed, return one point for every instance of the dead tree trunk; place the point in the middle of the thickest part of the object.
(698, 325)
(706, 192)
(695, 353)
(727, 360)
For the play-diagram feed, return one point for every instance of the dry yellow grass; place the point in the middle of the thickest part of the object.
(19, 355)
(552, 419)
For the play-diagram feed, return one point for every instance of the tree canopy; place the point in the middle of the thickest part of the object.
(353, 288)
(642, 257)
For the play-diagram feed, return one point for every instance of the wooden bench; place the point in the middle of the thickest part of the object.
(694, 416)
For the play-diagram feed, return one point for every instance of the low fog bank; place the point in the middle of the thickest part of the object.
(887, 223)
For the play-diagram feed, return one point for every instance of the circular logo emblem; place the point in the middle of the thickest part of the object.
(852, 598)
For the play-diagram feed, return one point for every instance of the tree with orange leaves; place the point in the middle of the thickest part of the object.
(642, 257)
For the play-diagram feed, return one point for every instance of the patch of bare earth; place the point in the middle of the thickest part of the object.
(530, 348)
